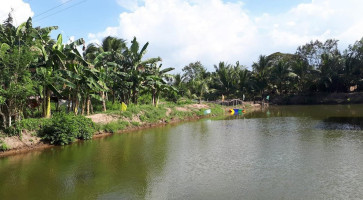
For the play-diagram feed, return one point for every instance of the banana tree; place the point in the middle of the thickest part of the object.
(135, 66)
(84, 83)
(156, 81)
(55, 56)
(105, 69)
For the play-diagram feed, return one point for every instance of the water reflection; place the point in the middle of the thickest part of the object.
(277, 153)
(342, 123)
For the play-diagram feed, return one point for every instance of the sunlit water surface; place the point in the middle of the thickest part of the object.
(295, 152)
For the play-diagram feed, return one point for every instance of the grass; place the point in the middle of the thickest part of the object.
(135, 123)
(150, 114)
(3, 146)
(113, 127)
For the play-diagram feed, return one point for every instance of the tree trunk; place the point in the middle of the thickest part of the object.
(69, 103)
(153, 97)
(88, 104)
(57, 107)
(157, 99)
(76, 105)
(9, 120)
(46, 104)
(113, 97)
(83, 105)
(91, 106)
(134, 97)
(103, 101)
(3, 117)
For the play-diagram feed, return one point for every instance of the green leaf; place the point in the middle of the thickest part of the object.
(55, 91)
(3, 48)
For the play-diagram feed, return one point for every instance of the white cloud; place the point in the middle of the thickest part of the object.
(184, 31)
(130, 5)
(21, 11)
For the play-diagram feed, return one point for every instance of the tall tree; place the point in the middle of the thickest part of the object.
(261, 70)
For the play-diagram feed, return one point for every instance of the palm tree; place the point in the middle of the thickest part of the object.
(201, 87)
(244, 81)
(280, 74)
(261, 70)
(227, 77)
(108, 59)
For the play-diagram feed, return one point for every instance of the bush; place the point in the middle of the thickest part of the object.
(66, 128)
(13, 131)
(33, 124)
(30, 124)
(3, 146)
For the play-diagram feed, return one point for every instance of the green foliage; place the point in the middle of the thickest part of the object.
(151, 113)
(184, 101)
(135, 123)
(182, 114)
(145, 99)
(217, 109)
(33, 124)
(12, 131)
(66, 128)
(3, 146)
(127, 114)
(114, 127)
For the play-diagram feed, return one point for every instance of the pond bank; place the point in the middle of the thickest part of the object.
(112, 122)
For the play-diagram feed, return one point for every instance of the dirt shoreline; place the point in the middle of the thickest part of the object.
(40, 145)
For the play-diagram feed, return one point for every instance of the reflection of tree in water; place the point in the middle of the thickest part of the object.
(342, 123)
(319, 112)
(112, 167)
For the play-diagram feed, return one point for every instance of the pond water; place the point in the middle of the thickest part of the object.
(286, 152)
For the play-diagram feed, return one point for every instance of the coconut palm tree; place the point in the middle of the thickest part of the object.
(261, 70)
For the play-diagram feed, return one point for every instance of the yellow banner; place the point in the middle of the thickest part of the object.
(123, 106)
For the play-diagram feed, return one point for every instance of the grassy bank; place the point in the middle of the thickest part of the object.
(135, 116)
(63, 128)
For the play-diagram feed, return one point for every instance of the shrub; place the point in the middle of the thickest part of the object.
(33, 124)
(3, 146)
(13, 131)
(66, 128)
(86, 127)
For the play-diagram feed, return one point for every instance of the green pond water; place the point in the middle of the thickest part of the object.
(287, 152)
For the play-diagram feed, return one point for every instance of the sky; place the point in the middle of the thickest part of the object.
(209, 31)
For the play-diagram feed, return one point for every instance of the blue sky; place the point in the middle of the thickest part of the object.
(184, 31)
(80, 17)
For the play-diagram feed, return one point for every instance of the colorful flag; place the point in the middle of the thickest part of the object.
(123, 106)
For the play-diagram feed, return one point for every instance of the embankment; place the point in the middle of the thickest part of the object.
(116, 122)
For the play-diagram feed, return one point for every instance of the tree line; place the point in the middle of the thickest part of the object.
(316, 67)
(36, 69)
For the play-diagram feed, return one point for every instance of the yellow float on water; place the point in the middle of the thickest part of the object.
(236, 111)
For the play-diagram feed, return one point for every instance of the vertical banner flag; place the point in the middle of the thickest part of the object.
(123, 106)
